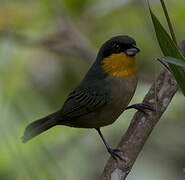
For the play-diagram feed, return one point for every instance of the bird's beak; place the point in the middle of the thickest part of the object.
(132, 51)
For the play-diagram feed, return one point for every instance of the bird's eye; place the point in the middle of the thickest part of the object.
(117, 47)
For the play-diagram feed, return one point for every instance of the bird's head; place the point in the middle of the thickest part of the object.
(117, 56)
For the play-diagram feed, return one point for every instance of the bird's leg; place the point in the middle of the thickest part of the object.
(141, 107)
(113, 152)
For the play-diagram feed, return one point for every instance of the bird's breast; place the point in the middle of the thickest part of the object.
(122, 87)
(121, 92)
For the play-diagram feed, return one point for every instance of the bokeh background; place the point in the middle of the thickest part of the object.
(46, 46)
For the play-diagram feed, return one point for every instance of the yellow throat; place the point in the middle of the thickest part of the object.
(119, 65)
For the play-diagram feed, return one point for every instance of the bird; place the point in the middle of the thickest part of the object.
(103, 94)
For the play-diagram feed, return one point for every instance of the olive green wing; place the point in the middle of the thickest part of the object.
(82, 102)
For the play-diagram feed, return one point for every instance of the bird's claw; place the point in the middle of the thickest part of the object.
(141, 107)
(114, 153)
(147, 106)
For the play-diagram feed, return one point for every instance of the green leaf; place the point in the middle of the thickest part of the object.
(169, 48)
(169, 21)
(173, 61)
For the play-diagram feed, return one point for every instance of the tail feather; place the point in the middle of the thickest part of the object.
(37, 127)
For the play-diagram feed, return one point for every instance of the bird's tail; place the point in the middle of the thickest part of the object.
(37, 127)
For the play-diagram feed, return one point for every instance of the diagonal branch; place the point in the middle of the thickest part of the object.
(141, 126)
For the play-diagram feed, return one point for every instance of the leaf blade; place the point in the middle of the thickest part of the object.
(173, 61)
(169, 48)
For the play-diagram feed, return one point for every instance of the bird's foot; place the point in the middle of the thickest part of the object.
(114, 153)
(142, 107)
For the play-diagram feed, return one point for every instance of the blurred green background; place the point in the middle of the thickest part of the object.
(46, 46)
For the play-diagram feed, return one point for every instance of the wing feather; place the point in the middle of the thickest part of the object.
(82, 102)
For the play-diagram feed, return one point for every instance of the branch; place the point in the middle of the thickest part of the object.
(141, 126)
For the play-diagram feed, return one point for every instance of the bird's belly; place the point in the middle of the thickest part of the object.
(122, 91)
(112, 111)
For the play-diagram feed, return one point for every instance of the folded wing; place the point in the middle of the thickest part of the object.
(82, 102)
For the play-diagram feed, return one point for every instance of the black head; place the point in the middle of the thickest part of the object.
(118, 44)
